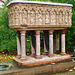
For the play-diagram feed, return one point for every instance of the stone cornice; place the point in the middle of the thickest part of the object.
(36, 2)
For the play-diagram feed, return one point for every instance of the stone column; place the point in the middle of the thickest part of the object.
(33, 42)
(45, 42)
(23, 49)
(18, 45)
(38, 45)
(51, 43)
(57, 41)
(63, 42)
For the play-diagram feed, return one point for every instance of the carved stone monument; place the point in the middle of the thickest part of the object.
(37, 16)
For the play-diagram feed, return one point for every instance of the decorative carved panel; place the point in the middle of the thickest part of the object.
(35, 15)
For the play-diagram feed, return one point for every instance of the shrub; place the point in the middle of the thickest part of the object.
(8, 36)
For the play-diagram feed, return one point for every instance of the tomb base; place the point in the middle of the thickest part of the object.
(31, 61)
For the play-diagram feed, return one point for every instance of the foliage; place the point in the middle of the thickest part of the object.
(8, 36)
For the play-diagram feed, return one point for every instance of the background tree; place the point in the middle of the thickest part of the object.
(8, 36)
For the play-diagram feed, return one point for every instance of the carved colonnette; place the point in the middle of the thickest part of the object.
(37, 15)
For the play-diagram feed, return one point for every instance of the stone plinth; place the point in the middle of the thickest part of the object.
(35, 62)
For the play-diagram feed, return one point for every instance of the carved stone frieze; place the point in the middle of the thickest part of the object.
(35, 15)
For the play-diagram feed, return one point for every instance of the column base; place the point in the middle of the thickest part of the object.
(18, 56)
(51, 55)
(45, 53)
(32, 55)
(38, 57)
(23, 59)
(37, 62)
(63, 53)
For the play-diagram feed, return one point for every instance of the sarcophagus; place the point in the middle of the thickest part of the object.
(32, 15)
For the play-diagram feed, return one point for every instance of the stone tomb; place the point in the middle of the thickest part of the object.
(36, 16)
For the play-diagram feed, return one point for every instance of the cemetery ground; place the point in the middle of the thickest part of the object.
(8, 59)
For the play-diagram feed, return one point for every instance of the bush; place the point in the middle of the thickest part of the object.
(8, 42)
(7, 35)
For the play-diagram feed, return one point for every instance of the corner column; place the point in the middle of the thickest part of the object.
(63, 42)
(38, 45)
(18, 45)
(23, 49)
(51, 43)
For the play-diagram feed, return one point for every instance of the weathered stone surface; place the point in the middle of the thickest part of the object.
(63, 43)
(51, 43)
(31, 16)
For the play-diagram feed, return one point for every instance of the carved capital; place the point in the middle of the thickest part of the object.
(51, 32)
(63, 31)
(22, 32)
(37, 32)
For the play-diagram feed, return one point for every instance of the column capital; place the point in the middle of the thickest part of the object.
(63, 31)
(37, 32)
(22, 32)
(51, 32)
